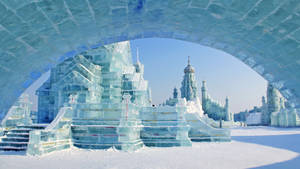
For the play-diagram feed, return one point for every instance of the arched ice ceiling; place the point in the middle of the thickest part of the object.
(37, 34)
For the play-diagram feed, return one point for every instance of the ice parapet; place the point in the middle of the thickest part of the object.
(56, 136)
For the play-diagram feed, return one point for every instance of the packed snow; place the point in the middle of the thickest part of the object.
(251, 147)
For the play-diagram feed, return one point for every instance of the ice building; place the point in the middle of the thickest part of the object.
(214, 109)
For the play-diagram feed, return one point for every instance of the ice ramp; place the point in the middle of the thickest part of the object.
(202, 131)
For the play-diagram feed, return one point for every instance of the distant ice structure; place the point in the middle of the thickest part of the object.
(99, 99)
(280, 113)
(214, 109)
(189, 91)
(275, 111)
(203, 128)
(254, 119)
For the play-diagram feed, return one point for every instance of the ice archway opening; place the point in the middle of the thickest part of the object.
(38, 34)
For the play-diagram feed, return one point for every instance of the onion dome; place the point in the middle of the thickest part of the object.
(189, 68)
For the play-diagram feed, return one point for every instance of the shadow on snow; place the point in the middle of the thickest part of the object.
(289, 142)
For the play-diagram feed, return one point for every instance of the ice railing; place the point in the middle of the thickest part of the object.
(57, 136)
(216, 124)
(202, 130)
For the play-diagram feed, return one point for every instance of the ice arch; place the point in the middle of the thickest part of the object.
(37, 34)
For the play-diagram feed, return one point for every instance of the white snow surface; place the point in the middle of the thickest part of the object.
(252, 147)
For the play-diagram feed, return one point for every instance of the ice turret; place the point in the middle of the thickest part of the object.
(273, 102)
(175, 93)
(228, 114)
(273, 99)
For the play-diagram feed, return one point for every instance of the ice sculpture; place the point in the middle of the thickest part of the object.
(56, 136)
(130, 126)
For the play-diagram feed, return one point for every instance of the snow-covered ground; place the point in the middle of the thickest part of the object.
(252, 147)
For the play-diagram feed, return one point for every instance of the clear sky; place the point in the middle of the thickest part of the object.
(165, 59)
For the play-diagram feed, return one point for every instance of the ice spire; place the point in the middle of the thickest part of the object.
(189, 60)
(137, 55)
(175, 93)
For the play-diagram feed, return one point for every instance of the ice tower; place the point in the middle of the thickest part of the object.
(188, 85)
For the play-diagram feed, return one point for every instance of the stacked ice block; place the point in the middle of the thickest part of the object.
(164, 126)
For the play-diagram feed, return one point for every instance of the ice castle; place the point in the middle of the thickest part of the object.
(98, 100)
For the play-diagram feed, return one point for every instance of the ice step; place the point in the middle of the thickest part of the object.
(15, 139)
(33, 127)
(23, 135)
(20, 130)
(12, 148)
(13, 144)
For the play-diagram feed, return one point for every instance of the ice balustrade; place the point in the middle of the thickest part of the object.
(216, 123)
(57, 135)
(202, 130)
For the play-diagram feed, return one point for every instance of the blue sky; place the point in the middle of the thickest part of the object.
(165, 59)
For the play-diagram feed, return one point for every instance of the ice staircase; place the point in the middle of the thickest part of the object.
(202, 131)
(94, 134)
(16, 139)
